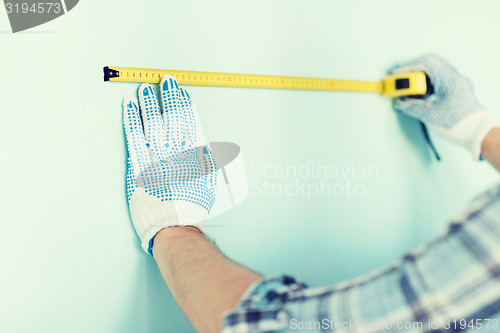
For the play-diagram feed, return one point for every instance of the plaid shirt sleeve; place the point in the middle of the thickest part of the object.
(450, 284)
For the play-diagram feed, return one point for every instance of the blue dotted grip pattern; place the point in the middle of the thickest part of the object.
(164, 157)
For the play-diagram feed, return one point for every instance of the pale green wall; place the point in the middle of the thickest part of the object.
(70, 260)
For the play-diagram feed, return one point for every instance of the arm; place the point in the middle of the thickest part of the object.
(203, 282)
(491, 148)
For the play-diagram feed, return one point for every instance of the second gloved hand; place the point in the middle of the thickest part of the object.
(452, 110)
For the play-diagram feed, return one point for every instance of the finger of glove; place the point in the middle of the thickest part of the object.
(153, 122)
(134, 134)
(194, 137)
(207, 163)
(412, 107)
(131, 179)
(173, 116)
(200, 135)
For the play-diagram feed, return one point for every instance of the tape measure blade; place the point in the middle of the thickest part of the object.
(130, 74)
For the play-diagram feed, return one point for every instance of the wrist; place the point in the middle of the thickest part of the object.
(470, 131)
(165, 235)
(490, 143)
(176, 230)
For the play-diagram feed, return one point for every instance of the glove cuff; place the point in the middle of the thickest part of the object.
(471, 131)
(484, 123)
(150, 215)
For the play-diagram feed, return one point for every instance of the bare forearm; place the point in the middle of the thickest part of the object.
(203, 281)
(490, 148)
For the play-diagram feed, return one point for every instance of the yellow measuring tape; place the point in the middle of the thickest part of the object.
(390, 86)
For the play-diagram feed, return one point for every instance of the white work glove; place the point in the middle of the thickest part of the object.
(171, 176)
(452, 110)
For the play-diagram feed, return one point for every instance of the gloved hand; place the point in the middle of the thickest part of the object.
(452, 110)
(171, 176)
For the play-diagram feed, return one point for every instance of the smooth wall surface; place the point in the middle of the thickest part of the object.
(69, 257)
